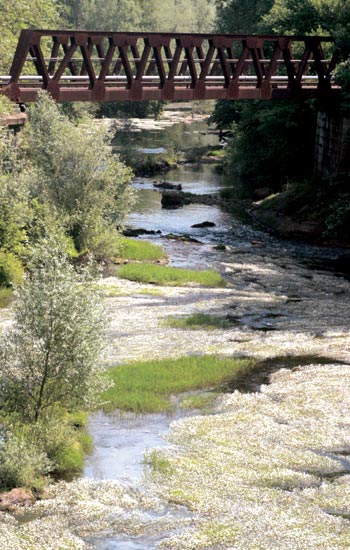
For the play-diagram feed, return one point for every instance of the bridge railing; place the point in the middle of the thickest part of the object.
(105, 66)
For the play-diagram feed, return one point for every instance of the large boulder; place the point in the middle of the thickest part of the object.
(168, 185)
(342, 263)
(16, 497)
(173, 199)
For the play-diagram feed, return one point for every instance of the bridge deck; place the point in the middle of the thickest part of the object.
(102, 66)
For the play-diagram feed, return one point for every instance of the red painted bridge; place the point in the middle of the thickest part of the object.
(113, 66)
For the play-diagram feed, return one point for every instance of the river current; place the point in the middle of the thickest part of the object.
(120, 441)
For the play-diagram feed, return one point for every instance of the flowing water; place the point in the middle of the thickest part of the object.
(120, 441)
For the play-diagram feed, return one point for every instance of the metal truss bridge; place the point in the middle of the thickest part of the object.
(113, 66)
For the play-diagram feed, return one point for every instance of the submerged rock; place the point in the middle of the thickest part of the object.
(182, 238)
(140, 231)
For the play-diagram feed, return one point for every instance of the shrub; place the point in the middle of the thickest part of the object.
(64, 445)
(6, 105)
(51, 355)
(79, 176)
(6, 295)
(338, 220)
(22, 461)
(11, 269)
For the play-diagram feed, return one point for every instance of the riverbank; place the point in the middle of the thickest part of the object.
(304, 211)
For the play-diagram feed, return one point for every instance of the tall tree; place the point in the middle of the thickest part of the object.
(49, 360)
(291, 17)
(237, 17)
(141, 15)
(80, 177)
(14, 17)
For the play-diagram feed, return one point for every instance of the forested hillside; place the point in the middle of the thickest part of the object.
(121, 15)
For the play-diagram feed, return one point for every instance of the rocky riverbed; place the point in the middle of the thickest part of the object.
(269, 469)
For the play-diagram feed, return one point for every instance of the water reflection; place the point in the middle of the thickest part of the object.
(181, 137)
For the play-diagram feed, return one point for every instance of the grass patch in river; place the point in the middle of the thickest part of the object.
(170, 276)
(148, 386)
(203, 401)
(198, 321)
(159, 463)
(142, 251)
(111, 291)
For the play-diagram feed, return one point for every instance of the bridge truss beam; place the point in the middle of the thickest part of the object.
(108, 66)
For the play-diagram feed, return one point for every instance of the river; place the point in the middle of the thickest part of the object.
(120, 441)
(270, 468)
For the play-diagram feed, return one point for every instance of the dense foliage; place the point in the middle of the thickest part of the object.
(59, 177)
(272, 142)
(274, 149)
(50, 358)
(78, 176)
(141, 15)
(50, 368)
(40, 14)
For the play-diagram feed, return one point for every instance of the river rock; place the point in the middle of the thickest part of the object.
(15, 497)
(182, 238)
(173, 199)
(204, 224)
(261, 193)
(342, 263)
(140, 231)
(168, 185)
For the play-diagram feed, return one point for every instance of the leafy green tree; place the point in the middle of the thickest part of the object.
(225, 113)
(291, 17)
(16, 177)
(73, 13)
(50, 359)
(335, 21)
(20, 15)
(120, 15)
(183, 16)
(141, 15)
(268, 148)
(237, 17)
(79, 176)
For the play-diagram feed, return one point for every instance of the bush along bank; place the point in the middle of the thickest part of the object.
(51, 371)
